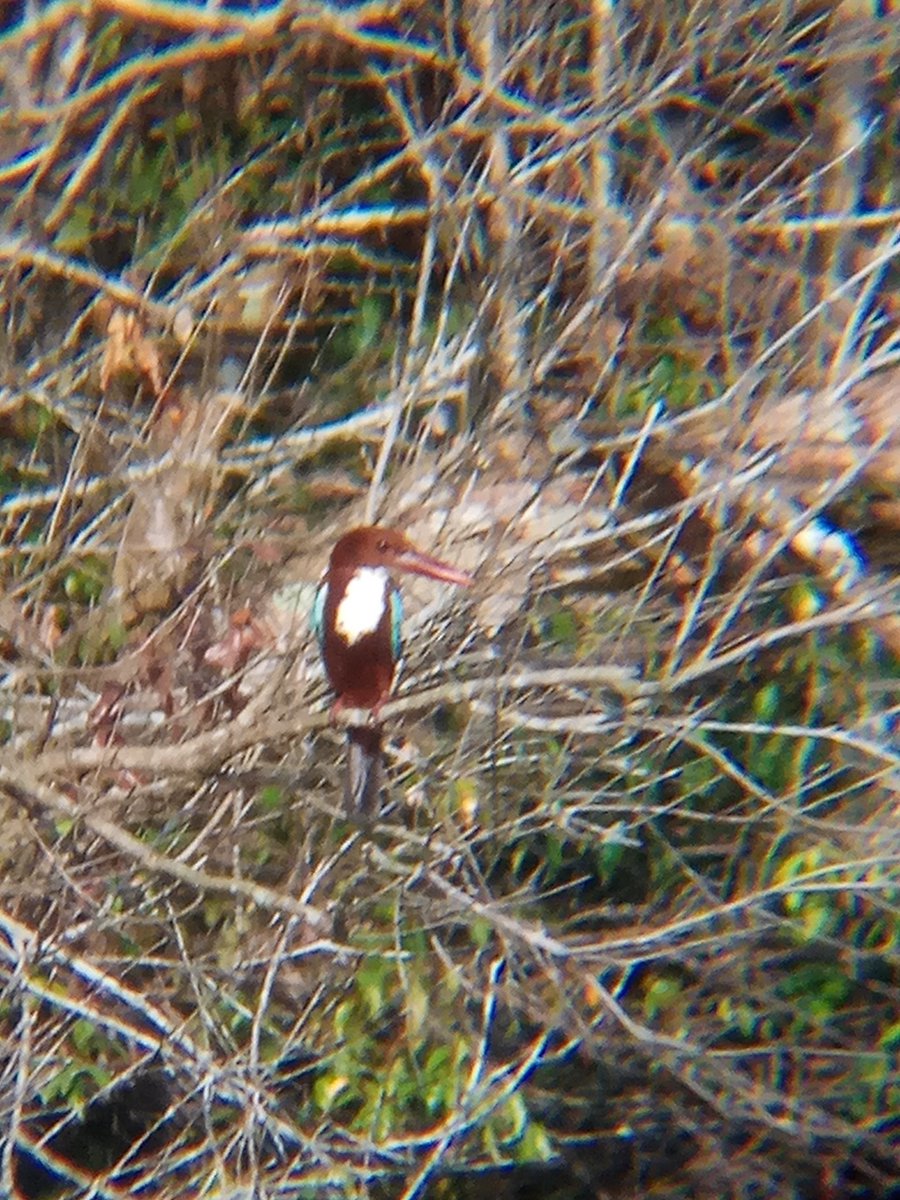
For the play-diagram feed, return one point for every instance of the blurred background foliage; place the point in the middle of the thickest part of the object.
(600, 301)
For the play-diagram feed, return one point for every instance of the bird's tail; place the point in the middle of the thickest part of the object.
(362, 782)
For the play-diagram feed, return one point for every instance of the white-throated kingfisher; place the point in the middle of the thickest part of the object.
(357, 615)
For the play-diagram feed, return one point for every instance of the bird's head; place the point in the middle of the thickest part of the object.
(382, 546)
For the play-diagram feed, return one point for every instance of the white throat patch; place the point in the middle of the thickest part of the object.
(362, 605)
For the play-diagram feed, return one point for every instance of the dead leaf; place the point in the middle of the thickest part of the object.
(51, 628)
(245, 635)
(106, 713)
(128, 353)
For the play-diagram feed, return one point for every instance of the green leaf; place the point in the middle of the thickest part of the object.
(480, 931)
(75, 233)
(83, 1035)
(368, 324)
(372, 981)
(765, 702)
(330, 1090)
(662, 993)
(536, 1145)
(270, 798)
(84, 584)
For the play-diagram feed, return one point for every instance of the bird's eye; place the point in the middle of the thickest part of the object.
(382, 546)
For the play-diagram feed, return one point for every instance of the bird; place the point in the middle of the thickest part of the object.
(357, 616)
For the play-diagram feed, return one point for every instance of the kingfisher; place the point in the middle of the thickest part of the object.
(357, 614)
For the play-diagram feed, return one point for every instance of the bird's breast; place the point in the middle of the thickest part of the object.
(360, 610)
(357, 618)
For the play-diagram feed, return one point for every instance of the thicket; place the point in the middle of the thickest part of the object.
(598, 301)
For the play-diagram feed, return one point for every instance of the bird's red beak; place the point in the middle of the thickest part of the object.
(417, 563)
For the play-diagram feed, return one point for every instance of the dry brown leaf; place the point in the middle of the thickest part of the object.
(244, 637)
(128, 353)
(51, 628)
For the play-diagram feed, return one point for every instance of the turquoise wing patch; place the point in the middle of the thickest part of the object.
(396, 623)
(317, 616)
